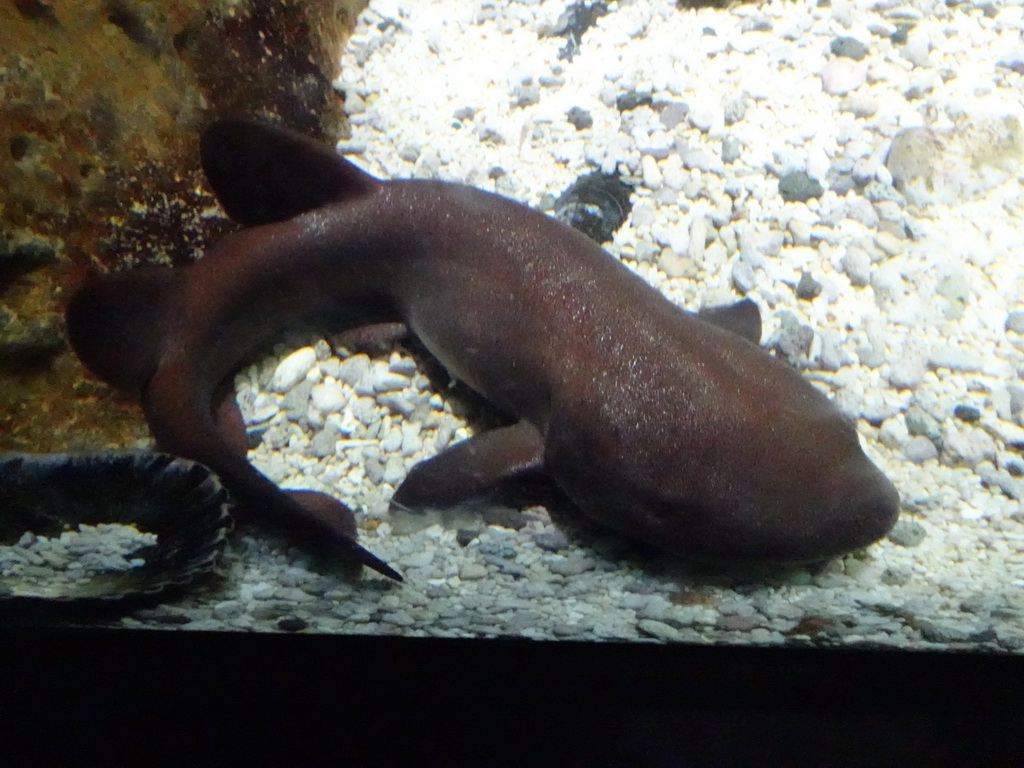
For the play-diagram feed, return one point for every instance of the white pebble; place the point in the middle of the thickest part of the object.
(390, 382)
(353, 369)
(293, 369)
(329, 396)
(392, 441)
(652, 175)
(841, 75)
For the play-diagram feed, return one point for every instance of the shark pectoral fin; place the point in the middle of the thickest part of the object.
(472, 467)
(117, 323)
(262, 173)
(742, 318)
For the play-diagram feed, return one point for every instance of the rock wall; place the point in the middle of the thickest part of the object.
(100, 106)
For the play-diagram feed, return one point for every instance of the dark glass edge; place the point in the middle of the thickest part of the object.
(507, 701)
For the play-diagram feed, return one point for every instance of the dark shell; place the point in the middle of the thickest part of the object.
(574, 21)
(596, 204)
(180, 501)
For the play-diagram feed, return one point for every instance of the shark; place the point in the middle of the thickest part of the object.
(666, 426)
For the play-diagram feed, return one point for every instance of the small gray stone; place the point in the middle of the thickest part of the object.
(294, 577)
(524, 95)
(890, 243)
(330, 367)
(967, 413)
(895, 576)
(1016, 393)
(374, 470)
(329, 396)
(489, 547)
(705, 116)
(920, 449)
(792, 339)
(399, 618)
(738, 623)
(848, 47)
(269, 609)
(472, 572)
(907, 371)
(976, 604)
(419, 559)
(554, 541)
(732, 149)
(392, 441)
(907, 533)
(532, 590)
(1010, 640)
(465, 535)
(228, 609)
(912, 162)
(941, 632)
(743, 278)
(412, 443)
(397, 402)
(862, 105)
(402, 366)
(563, 629)
(857, 266)
(511, 568)
(734, 110)
(797, 186)
(657, 629)
(920, 422)
(579, 118)
(365, 410)
(673, 113)
(292, 595)
(296, 402)
(569, 566)
(353, 369)
(323, 443)
(955, 359)
(870, 356)
(917, 46)
(390, 382)
(1012, 486)
(1015, 322)
(807, 288)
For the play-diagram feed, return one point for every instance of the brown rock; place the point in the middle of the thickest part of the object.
(101, 102)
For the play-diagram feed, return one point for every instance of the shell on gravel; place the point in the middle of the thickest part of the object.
(180, 501)
(596, 204)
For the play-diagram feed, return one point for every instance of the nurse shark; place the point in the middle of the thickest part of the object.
(668, 427)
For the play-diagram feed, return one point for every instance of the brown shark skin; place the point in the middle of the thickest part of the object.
(663, 426)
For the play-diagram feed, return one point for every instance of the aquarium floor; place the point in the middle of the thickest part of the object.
(903, 304)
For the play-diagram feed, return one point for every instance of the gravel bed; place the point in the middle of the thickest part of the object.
(74, 557)
(853, 168)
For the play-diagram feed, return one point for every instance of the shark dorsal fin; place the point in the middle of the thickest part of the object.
(262, 173)
(742, 318)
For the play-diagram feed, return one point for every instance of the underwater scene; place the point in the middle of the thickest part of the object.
(819, 445)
